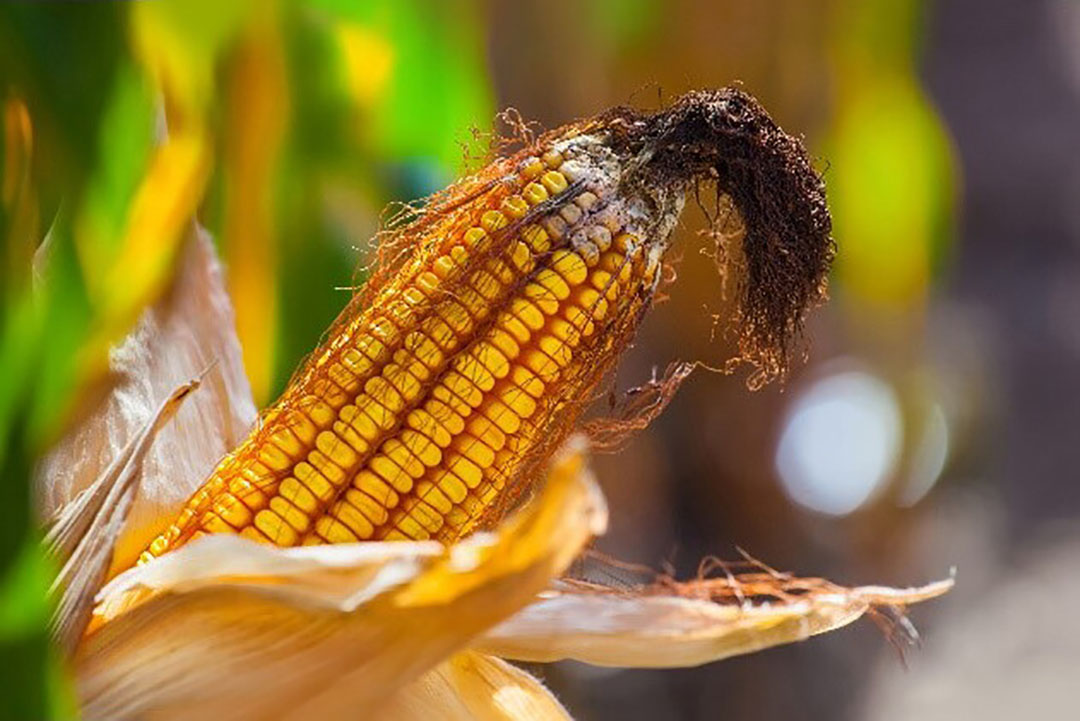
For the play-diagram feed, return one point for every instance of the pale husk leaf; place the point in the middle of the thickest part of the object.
(187, 334)
(474, 687)
(627, 629)
(258, 641)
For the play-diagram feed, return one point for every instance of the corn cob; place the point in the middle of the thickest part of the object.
(443, 387)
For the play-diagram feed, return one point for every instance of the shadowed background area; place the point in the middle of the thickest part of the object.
(935, 423)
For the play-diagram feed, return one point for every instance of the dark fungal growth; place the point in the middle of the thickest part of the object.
(726, 137)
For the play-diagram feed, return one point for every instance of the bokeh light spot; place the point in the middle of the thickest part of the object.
(840, 441)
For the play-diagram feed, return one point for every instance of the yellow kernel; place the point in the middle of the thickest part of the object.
(625, 242)
(361, 422)
(541, 364)
(604, 282)
(430, 519)
(515, 206)
(385, 330)
(430, 494)
(442, 267)
(492, 359)
(570, 266)
(564, 331)
(493, 220)
(336, 449)
(534, 193)
(401, 312)
(473, 236)
(330, 392)
(542, 298)
(314, 481)
(297, 494)
(424, 348)
(463, 388)
(404, 382)
(353, 517)
(554, 181)
(445, 415)
(233, 511)
(555, 283)
(341, 376)
(465, 469)
(503, 273)
(531, 167)
(274, 527)
(475, 450)
(507, 347)
(552, 158)
(486, 285)
(525, 379)
(274, 457)
(348, 434)
(374, 486)
(253, 534)
(521, 257)
(451, 400)
(455, 315)
(391, 472)
(286, 441)
(428, 282)
(422, 447)
(332, 530)
(422, 422)
(330, 470)
(514, 326)
(558, 351)
(373, 348)
(474, 370)
(400, 454)
(317, 410)
(537, 238)
(249, 495)
(502, 415)
(407, 529)
(357, 363)
(518, 401)
(413, 295)
(439, 332)
(295, 517)
(459, 255)
(451, 485)
(371, 508)
(213, 523)
(485, 430)
(379, 389)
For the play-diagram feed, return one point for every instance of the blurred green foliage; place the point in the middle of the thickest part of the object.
(289, 126)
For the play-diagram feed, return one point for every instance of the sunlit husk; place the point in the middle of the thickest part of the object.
(260, 641)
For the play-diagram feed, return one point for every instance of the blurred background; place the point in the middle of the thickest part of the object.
(936, 423)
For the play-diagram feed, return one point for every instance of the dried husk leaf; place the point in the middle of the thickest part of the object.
(632, 630)
(474, 687)
(255, 640)
(189, 333)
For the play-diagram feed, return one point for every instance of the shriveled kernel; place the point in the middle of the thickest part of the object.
(588, 251)
(552, 158)
(625, 242)
(555, 226)
(428, 282)
(514, 206)
(570, 213)
(600, 236)
(493, 220)
(554, 181)
(443, 267)
(585, 200)
(534, 193)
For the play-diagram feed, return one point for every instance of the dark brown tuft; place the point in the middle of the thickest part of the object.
(726, 137)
